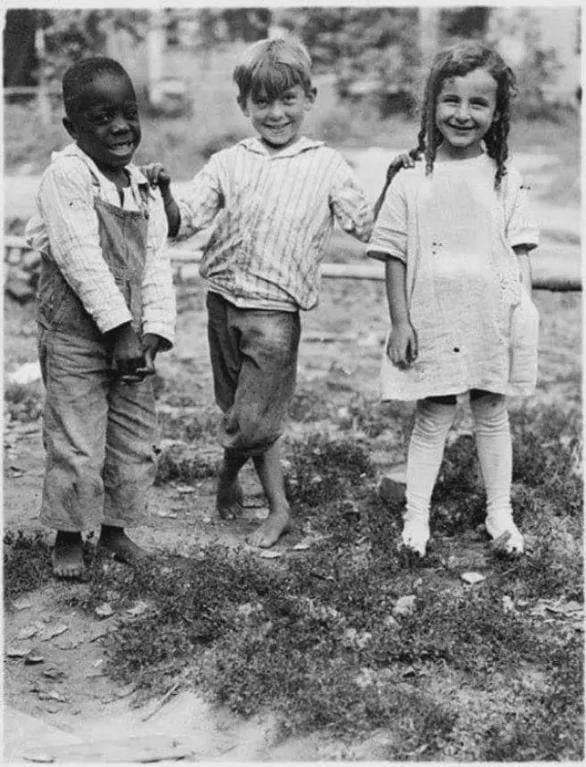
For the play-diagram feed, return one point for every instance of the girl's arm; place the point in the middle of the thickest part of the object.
(402, 344)
(522, 253)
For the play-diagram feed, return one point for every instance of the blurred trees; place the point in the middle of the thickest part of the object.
(373, 51)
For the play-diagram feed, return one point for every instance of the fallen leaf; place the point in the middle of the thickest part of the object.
(301, 546)
(27, 632)
(33, 658)
(68, 644)
(508, 604)
(17, 652)
(405, 605)
(22, 604)
(138, 609)
(566, 608)
(53, 673)
(167, 514)
(270, 554)
(104, 610)
(55, 631)
(472, 577)
(184, 489)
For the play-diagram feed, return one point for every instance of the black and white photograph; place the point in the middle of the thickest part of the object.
(292, 419)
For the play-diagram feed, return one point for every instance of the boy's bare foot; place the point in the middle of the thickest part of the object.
(276, 525)
(67, 556)
(116, 542)
(230, 500)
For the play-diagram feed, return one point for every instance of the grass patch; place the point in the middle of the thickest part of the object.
(185, 463)
(27, 563)
(24, 402)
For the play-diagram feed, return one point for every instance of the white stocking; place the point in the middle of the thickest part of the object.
(495, 453)
(426, 449)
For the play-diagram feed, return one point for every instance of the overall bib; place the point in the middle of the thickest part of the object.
(97, 432)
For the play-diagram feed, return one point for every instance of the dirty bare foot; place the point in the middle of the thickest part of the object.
(276, 525)
(67, 556)
(229, 500)
(116, 542)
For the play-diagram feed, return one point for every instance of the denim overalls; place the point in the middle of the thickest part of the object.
(97, 432)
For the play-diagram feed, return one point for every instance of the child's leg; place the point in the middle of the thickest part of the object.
(254, 360)
(129, 468)
(229, 498)
(493, 441)
(270, 472)
(433, 418)
(75, 374)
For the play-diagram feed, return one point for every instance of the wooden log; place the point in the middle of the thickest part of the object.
(366, 271)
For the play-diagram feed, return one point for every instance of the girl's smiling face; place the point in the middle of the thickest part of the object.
(464, 112)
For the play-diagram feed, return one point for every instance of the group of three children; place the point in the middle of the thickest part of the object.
(454, 233)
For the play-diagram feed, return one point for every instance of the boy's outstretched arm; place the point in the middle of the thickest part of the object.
(403, 160)
(158, 176)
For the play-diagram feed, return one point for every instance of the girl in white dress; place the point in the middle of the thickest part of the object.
(455, 234)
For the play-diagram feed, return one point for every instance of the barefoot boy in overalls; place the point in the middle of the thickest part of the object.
(106, 306)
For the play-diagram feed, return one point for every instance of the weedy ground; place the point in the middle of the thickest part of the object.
(313, 636)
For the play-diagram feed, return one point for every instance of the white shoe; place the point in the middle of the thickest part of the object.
(415, 534)
(501, 528)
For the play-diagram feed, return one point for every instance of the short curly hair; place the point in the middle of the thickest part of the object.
(271, 67)
(77, 78)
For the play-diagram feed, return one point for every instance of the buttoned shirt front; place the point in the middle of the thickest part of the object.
(273, 216)
(65, 229)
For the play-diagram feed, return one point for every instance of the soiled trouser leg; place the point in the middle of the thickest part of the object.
(495, 453)
(433, 419)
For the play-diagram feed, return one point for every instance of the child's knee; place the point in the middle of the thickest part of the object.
(248, 435)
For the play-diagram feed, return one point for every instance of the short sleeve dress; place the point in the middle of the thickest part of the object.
(476, 325)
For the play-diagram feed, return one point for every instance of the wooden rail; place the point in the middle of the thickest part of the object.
(183, 256)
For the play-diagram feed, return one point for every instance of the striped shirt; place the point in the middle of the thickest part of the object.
(273, 217)
(65, 230)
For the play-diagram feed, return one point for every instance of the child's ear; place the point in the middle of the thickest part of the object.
(243, 104)
(310, 97)
(70, 127)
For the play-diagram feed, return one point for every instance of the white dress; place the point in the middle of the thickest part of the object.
(476, 326)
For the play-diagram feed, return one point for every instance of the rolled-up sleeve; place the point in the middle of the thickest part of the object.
(158, 292)
(201, 202)
(521, 228)
(66, 205)
(349, 204)
(389, 236)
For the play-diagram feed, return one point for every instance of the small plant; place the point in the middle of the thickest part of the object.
(323, 471)
(24, 402)
(27, 563)
(180, 462)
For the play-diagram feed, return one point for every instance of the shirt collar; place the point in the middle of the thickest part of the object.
(302, 144)
(137, 178)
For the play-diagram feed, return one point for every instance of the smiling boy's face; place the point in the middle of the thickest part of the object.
(278, 120)
(105, 122)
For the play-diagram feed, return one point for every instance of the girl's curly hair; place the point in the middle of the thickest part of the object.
(457, 61)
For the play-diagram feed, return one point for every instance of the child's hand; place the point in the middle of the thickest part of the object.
(128, 358)
(151, 343)
(402, 345)
(403, 160)
(157, 176)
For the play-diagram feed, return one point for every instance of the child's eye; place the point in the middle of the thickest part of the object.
(131, 112)
(100, 118)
